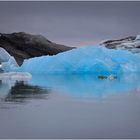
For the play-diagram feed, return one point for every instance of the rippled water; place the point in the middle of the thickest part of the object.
(70, 106)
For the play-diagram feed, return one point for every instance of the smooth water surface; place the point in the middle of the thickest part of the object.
(70, 106)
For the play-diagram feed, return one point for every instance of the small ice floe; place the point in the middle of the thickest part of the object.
(7, 62)
(110, 77)
(137, 37)
(19, 76)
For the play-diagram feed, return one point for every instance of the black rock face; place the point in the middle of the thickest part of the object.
(23, 46)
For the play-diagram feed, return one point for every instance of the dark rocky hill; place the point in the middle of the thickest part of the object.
(23, 46)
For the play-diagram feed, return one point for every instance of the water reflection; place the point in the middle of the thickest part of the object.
(85, 86)
(89, 85)
(21, 91)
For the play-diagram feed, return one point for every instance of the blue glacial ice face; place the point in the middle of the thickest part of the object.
(92, 59)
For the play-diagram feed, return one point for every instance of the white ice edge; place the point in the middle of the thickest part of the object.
(15, 76)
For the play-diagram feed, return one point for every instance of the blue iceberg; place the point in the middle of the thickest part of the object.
(85, 60)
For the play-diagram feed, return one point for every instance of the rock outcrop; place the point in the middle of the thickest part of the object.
(131, 43)
(23, 46)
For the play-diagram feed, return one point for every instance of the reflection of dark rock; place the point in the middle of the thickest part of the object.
(20, 92)
(23, 46)
(110, 77)
(1, 70)
(102, 76)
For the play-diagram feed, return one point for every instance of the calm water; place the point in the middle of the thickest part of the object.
(70, 106)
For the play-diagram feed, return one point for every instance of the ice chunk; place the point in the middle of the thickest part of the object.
(15, 76)
(4, 55)
(10, 65)
(137, 37)
(91, 59)
(7, 62)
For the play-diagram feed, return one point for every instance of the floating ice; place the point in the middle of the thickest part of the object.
(15, 76)
(4, 55)
(95, 60)
(7, 62)
(137, 37)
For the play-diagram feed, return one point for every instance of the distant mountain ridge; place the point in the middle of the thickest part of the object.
(22, 46)
(131, 43)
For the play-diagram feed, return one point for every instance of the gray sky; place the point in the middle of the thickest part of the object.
(72, 23)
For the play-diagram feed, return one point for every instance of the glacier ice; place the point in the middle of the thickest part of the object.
(137, 37)
(91, 59)
(18, 76)
(7, 62)
(4, 55)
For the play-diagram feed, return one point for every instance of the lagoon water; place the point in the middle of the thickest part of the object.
(70, 106)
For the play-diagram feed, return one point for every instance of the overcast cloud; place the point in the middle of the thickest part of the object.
(72, 23)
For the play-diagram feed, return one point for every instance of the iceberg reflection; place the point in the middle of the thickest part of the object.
(83, 86)
(88, 85)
